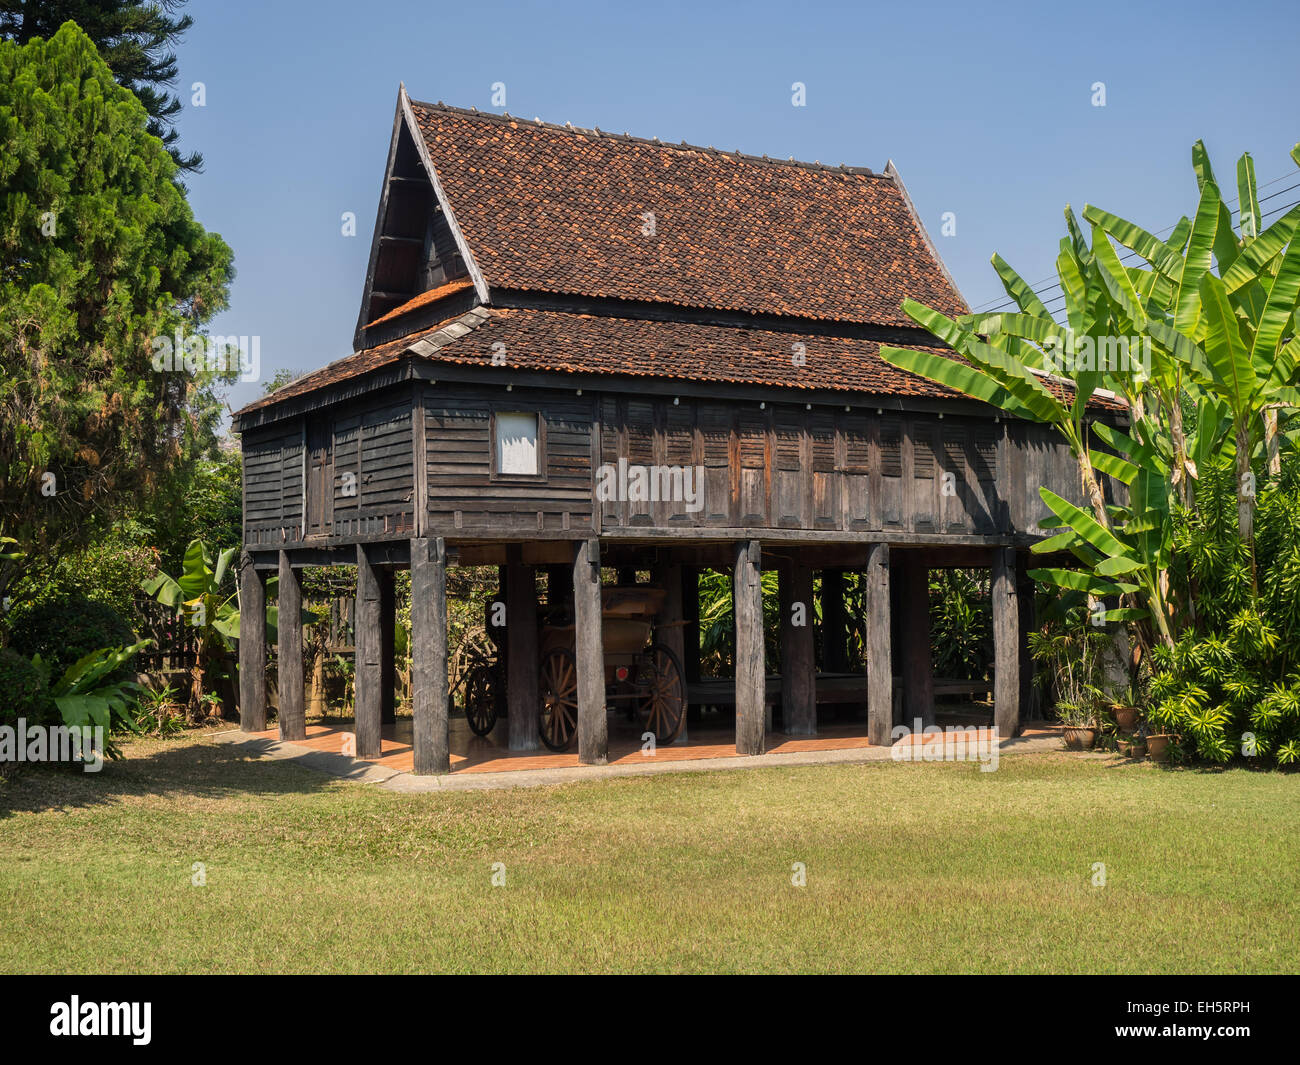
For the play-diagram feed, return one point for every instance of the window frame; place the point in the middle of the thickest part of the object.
(495, 474)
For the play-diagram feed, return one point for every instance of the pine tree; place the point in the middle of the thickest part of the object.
(100, 257)
(135, 38)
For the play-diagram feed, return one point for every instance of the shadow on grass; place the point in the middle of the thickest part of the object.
(187, 766)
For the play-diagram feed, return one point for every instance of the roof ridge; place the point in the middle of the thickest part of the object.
(506, 118)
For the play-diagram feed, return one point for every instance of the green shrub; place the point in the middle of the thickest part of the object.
(1231, 685)
(961, 623)
(25, 693)
(66, 629)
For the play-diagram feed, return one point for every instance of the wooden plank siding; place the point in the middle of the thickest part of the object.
(465, 497)
(352, 473)
(786, 467)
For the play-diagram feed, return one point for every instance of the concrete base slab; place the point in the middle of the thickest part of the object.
(352, 769)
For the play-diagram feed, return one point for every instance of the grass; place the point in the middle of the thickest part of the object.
(910, 868)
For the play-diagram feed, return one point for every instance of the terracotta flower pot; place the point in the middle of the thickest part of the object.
(1080, 738)
(1125, 717)
(1158, 747)
(1137, 750)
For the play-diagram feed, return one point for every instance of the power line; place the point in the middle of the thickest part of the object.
(1131, 255)
(1047, 303)
(1003, 301)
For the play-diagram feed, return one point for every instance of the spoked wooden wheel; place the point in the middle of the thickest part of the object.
(661, 708)
(481, 699)
(557, 716)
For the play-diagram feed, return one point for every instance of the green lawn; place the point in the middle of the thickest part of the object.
(917, 868)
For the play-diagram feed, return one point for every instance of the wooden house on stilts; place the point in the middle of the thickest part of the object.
(580, 350)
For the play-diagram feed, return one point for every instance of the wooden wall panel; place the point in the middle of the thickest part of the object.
(716, 425)
(465, 496)
(779, 466)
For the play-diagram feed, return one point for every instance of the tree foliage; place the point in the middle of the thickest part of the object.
(99, 255)
(1208, 375)
(136, 38)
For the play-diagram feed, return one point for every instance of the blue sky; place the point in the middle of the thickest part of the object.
(986, 109)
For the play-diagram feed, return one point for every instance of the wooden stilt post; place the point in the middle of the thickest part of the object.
(880, 679)
(1028, 622)
(1006, 644)
(501, 730)
(672, 634)
(835, 623)
(368, 672)
(429, 702)
(750, 676)
(593, 724)
(252, 646)
(799, 666)
(388, 646)
(293, 711)
(918, 668)
(523, 665)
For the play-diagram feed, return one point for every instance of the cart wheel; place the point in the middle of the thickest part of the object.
(662, 707)
(481, 699)
(557, 716)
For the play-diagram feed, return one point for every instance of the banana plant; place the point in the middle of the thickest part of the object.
(203, 597)
(1128, 561)
(1228, 341)
(88, 695)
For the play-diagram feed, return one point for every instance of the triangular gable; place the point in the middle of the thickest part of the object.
(416, 246)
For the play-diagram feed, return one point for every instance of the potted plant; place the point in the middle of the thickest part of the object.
(1158, 746)
(1132, 746)
(1080, 721)
(1072, 651)
(1125, 705)
(1159, 735)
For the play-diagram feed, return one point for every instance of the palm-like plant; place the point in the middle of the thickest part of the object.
(209, 602)
(92, 693)
(1227, 341)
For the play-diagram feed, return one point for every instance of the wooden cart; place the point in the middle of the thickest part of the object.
(643, 678)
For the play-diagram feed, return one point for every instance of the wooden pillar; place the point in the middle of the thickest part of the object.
(672, 632)
(835, 623)
(691, 630)
(918, 667)
(879, 654)
(500, 733)
(750, 676)
(252, 646)
(429, 701)
(798, 665)
(626, 575)
(1028, 623)
(522, 661)
(1006, 644)
(593, 724)
(387, 646)
(368, 675)
(293, 710)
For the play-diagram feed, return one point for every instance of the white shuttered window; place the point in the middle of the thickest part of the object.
(516, 443)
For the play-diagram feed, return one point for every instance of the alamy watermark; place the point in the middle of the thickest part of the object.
(77, 1018)
(221, 354)
(53, 743)
(651, 484)
(1071, 353)
(951, 743)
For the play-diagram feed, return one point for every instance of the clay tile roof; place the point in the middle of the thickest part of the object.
(425, 298)
(571, 343)
(563, 342)
(562, 210)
